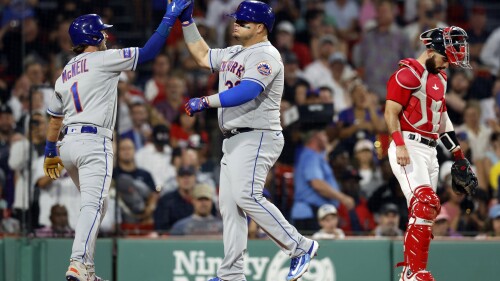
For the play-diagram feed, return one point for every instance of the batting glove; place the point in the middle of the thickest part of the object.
(174, 9)
(196, 105)
(52, 165)
(186, 17)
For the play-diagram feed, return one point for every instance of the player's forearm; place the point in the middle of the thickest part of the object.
(196, 45)
(54, 128)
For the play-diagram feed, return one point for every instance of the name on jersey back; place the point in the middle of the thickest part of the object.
(76, 68)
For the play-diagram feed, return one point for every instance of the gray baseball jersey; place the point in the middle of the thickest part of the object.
(86, 95)
(86, 91)
(249, 156)
(260, 63)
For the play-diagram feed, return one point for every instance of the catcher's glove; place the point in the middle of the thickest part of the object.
(463, 179)
(52, 167)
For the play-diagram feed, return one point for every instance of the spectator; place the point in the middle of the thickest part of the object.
(476, 213)
(36, 105)
(458, 94)
(361, 121)
(59, 227)
(493, 159)
(295, 85)
(135, 187)
(478, 33)
(315, 184)
(191, 157)
(285, 42)
(428, 18)
(452, 206)
(345, 13)
(328, 221)
(371, 176)
(312, 31)
(141, 131)
(185, 128)
(388, 222)
(201, 222)
(318, 72)
(156, 157)
(490, 55)
(19, 162)
(479, 136)
(176, 87)
(389, 192)
(7, 136)
(217, 19)
(380, 49)
(176, 205)
(358, 220)
(441, 226)
(156, 87)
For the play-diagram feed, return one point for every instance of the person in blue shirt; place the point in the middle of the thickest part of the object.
(315, 183)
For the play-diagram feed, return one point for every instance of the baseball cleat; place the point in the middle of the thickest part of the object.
(216, 279)
(77, 271)
(422, 275)
(299, 265)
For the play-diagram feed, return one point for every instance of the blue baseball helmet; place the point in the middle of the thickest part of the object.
(255, 11)
(86, 30)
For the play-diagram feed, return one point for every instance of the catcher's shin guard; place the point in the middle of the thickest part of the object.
(424, 207)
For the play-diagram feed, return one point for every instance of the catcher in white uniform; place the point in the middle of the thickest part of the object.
(84, 102)
(250, 90)
(416, 116)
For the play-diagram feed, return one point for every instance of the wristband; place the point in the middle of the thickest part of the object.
(458, 155)
(50, 149)
(398, 138)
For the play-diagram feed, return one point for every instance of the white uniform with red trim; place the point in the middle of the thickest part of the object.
(249, 156)
(422, 96)
(86, 96)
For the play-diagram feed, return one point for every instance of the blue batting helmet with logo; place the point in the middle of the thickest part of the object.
(86, 30)
(255, 11)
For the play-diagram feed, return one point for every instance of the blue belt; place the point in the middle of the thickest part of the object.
(85, 130)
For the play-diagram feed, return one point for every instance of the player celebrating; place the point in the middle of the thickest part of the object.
(250, 90)
(85, 96)
(416, 116)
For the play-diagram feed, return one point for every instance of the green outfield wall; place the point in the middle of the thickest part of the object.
(195, 260)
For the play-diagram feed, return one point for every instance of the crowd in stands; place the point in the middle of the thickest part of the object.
(333, 178)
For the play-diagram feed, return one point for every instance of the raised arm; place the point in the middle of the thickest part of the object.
(195, 43)
(157, 40)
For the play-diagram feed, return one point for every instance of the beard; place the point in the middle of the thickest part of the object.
(430, 65)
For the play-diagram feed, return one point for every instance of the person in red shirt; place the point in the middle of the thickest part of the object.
(416, 117)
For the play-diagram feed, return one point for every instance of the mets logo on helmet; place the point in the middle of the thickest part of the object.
(264, 68)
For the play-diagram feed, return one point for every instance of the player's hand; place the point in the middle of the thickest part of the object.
(196, 105)
(175, 7)
(186, 17)
(52, 167)
(402, 155)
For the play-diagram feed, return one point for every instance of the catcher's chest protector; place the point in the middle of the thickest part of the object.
(427, 103)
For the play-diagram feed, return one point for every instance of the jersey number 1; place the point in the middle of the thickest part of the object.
(76, 97)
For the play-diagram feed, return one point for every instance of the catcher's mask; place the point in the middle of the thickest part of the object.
(450, 42)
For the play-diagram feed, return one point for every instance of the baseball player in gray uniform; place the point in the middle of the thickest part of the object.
(250, 89)
(84, 104)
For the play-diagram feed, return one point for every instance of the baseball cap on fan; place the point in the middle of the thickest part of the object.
(326, 209)
(286, 26)
(202, 191)
(5, 109)
(389, 208)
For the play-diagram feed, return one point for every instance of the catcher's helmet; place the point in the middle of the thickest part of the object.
(86, 30)
(450, 42)
(255, 11)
